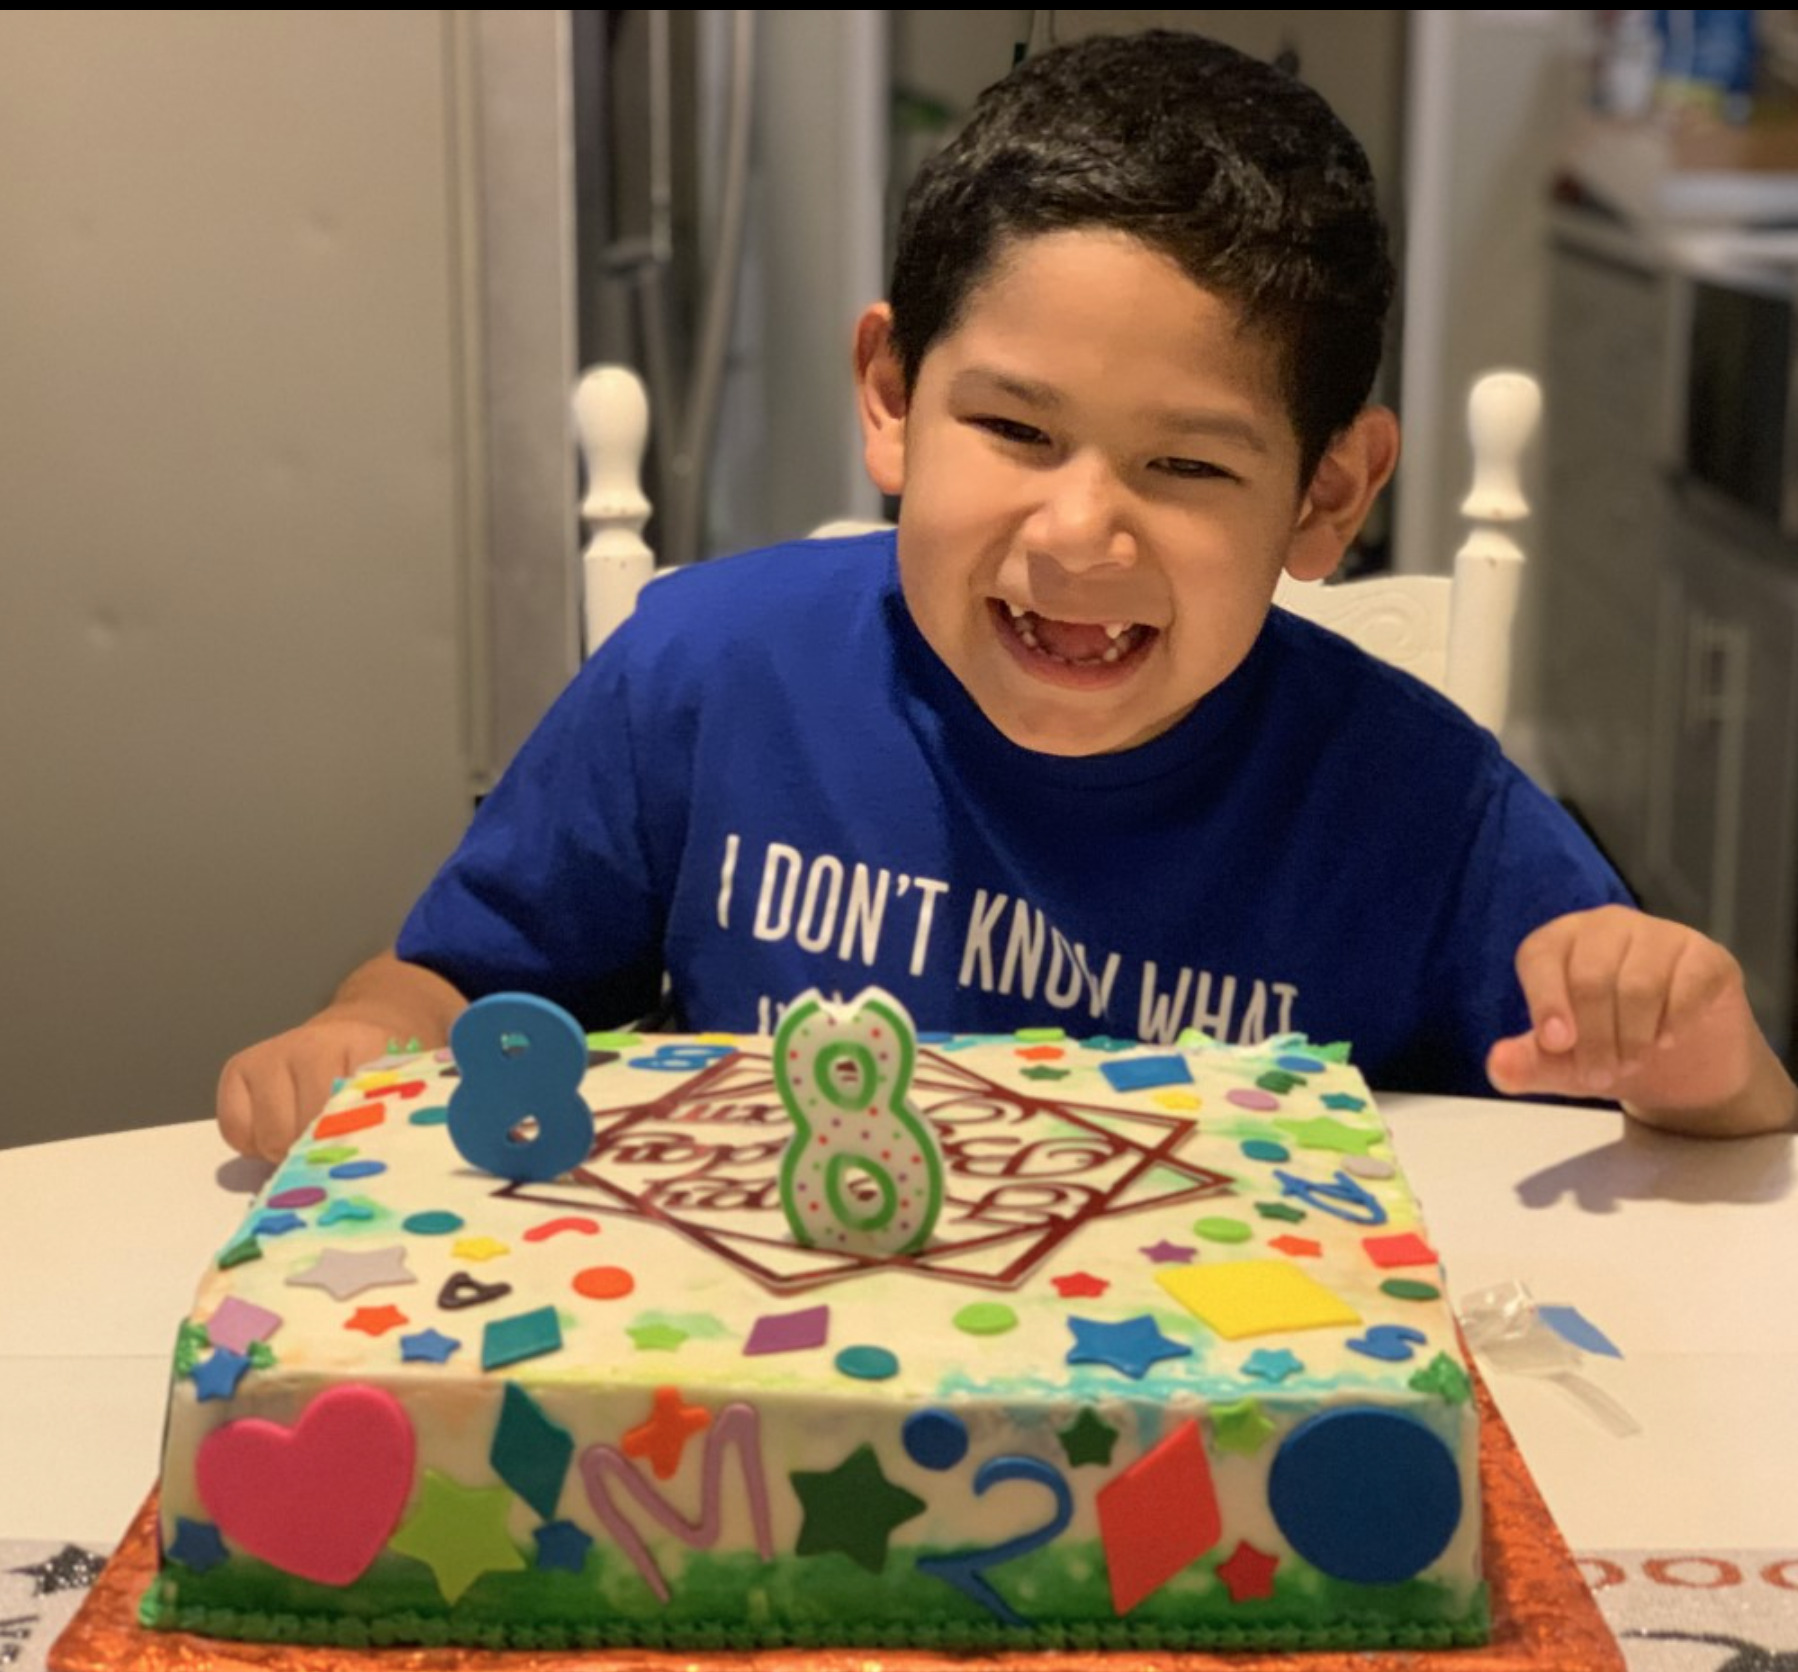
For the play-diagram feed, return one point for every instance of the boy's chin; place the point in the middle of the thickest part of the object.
(1074, 736)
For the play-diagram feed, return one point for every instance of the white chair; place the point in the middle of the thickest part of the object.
(1451, 631)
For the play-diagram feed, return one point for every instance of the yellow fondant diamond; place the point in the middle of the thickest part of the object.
(1255, 1297)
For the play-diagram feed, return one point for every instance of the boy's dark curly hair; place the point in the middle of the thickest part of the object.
(1237, 171)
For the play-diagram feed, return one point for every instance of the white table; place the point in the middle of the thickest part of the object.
(1681, 1252)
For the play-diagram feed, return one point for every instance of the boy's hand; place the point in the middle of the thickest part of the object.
(269, 1092)
(1649, 1012)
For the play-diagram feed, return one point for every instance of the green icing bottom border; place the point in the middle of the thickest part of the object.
(161, 1611)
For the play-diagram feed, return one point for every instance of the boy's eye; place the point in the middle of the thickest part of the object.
(1193, 470)
(1009, 429)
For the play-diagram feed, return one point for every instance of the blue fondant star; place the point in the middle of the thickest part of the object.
(1131, 1346)
(345, 1207)
(217, 1377)
(197, 1545)
(561, 1544)
(278, 1224)
(1272, 1366)
(429, 1345)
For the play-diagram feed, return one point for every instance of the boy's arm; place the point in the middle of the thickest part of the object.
(268, 1092)
(1651, 1013)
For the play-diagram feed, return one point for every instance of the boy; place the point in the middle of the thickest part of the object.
(1048, 757)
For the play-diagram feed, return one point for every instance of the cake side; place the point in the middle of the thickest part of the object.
(1174, 1367)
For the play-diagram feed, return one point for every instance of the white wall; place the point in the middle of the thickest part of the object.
(232, 721)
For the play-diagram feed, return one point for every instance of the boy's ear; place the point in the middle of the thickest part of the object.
(1357, 464)
(881, 401)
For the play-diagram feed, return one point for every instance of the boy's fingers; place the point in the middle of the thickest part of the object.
(1542, 973)
(236, 1117)
(1643, 990)
(1594, 959)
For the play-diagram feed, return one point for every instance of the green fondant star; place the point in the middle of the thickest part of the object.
(240, 1252)
(1336, 1051)
(262, 1356)
(1280, 1210)
(191, 1340)
(656, 1338)
(1327, 1133)
(1240, 1427)
(1089, 1440)
(459, 1533)
(1279, 1082)
(1444, 1378)
(852, 1509)
(1042, 1071)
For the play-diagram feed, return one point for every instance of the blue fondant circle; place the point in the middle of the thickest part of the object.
(935, 1439)
(1364, 1494)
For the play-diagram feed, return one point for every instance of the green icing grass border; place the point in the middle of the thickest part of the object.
(736, 1601)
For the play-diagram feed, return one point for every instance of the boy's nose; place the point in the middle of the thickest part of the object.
(1081, 521)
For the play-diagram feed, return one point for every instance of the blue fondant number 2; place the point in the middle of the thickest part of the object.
(520, 1058)
(967, 1571)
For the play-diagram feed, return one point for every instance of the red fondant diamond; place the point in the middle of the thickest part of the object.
(1157, 1516)
(1406, 1248)
(1299, 1248)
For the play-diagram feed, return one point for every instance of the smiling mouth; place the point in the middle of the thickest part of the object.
(1090, 645)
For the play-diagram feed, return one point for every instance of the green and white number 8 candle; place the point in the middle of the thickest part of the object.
(862, 1173)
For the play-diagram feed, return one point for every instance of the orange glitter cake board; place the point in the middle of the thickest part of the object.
(1543, 1620)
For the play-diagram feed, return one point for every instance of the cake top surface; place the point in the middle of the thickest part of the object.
(1199, 1223)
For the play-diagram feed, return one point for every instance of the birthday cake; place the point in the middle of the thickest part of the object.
(1067, 1344)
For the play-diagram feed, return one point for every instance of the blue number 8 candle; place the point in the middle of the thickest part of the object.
(520, 1058)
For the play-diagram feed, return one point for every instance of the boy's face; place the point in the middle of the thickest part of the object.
(1100, 487)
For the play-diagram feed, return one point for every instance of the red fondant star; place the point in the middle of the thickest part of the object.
(1297, 1247)
(1249, 1573)
(1079, 1285)
(1042, 1053)
(664, 1437)
(377, 1320)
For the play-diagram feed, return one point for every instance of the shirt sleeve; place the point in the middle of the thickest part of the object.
(555, 888)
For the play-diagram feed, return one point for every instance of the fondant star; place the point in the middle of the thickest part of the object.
(197, 1545)
(1165, 1253)
(478, 1248)
(217, 1377)
(376, 1320)
(1041, 1071)
(1079, 1285)
(664, 1436)
(1131, 1346)
(347, 1207)
(1280, 1210)
(459, 1533)
(1298, 1248)
(561, 1544)
(1326, 1133)
(1444, 1378)
(1272, 1365)
(656, 1338)
(1249, 1573)
(1089, 1440)
(428, 1346)
(70, 1569)
(342, 1274)
(278, 1224)
(1344, 1101)
(1240, 1427)
(852, 1508)
(1042, 1053)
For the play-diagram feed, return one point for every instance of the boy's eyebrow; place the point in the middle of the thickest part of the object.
(973, 381)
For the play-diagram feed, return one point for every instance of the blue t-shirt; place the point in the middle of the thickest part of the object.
(767, 781)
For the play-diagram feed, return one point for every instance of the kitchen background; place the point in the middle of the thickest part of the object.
(291, 304)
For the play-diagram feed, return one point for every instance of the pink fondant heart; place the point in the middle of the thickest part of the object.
(318, 1499)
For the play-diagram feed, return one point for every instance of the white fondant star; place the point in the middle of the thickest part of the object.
(342, 1273)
